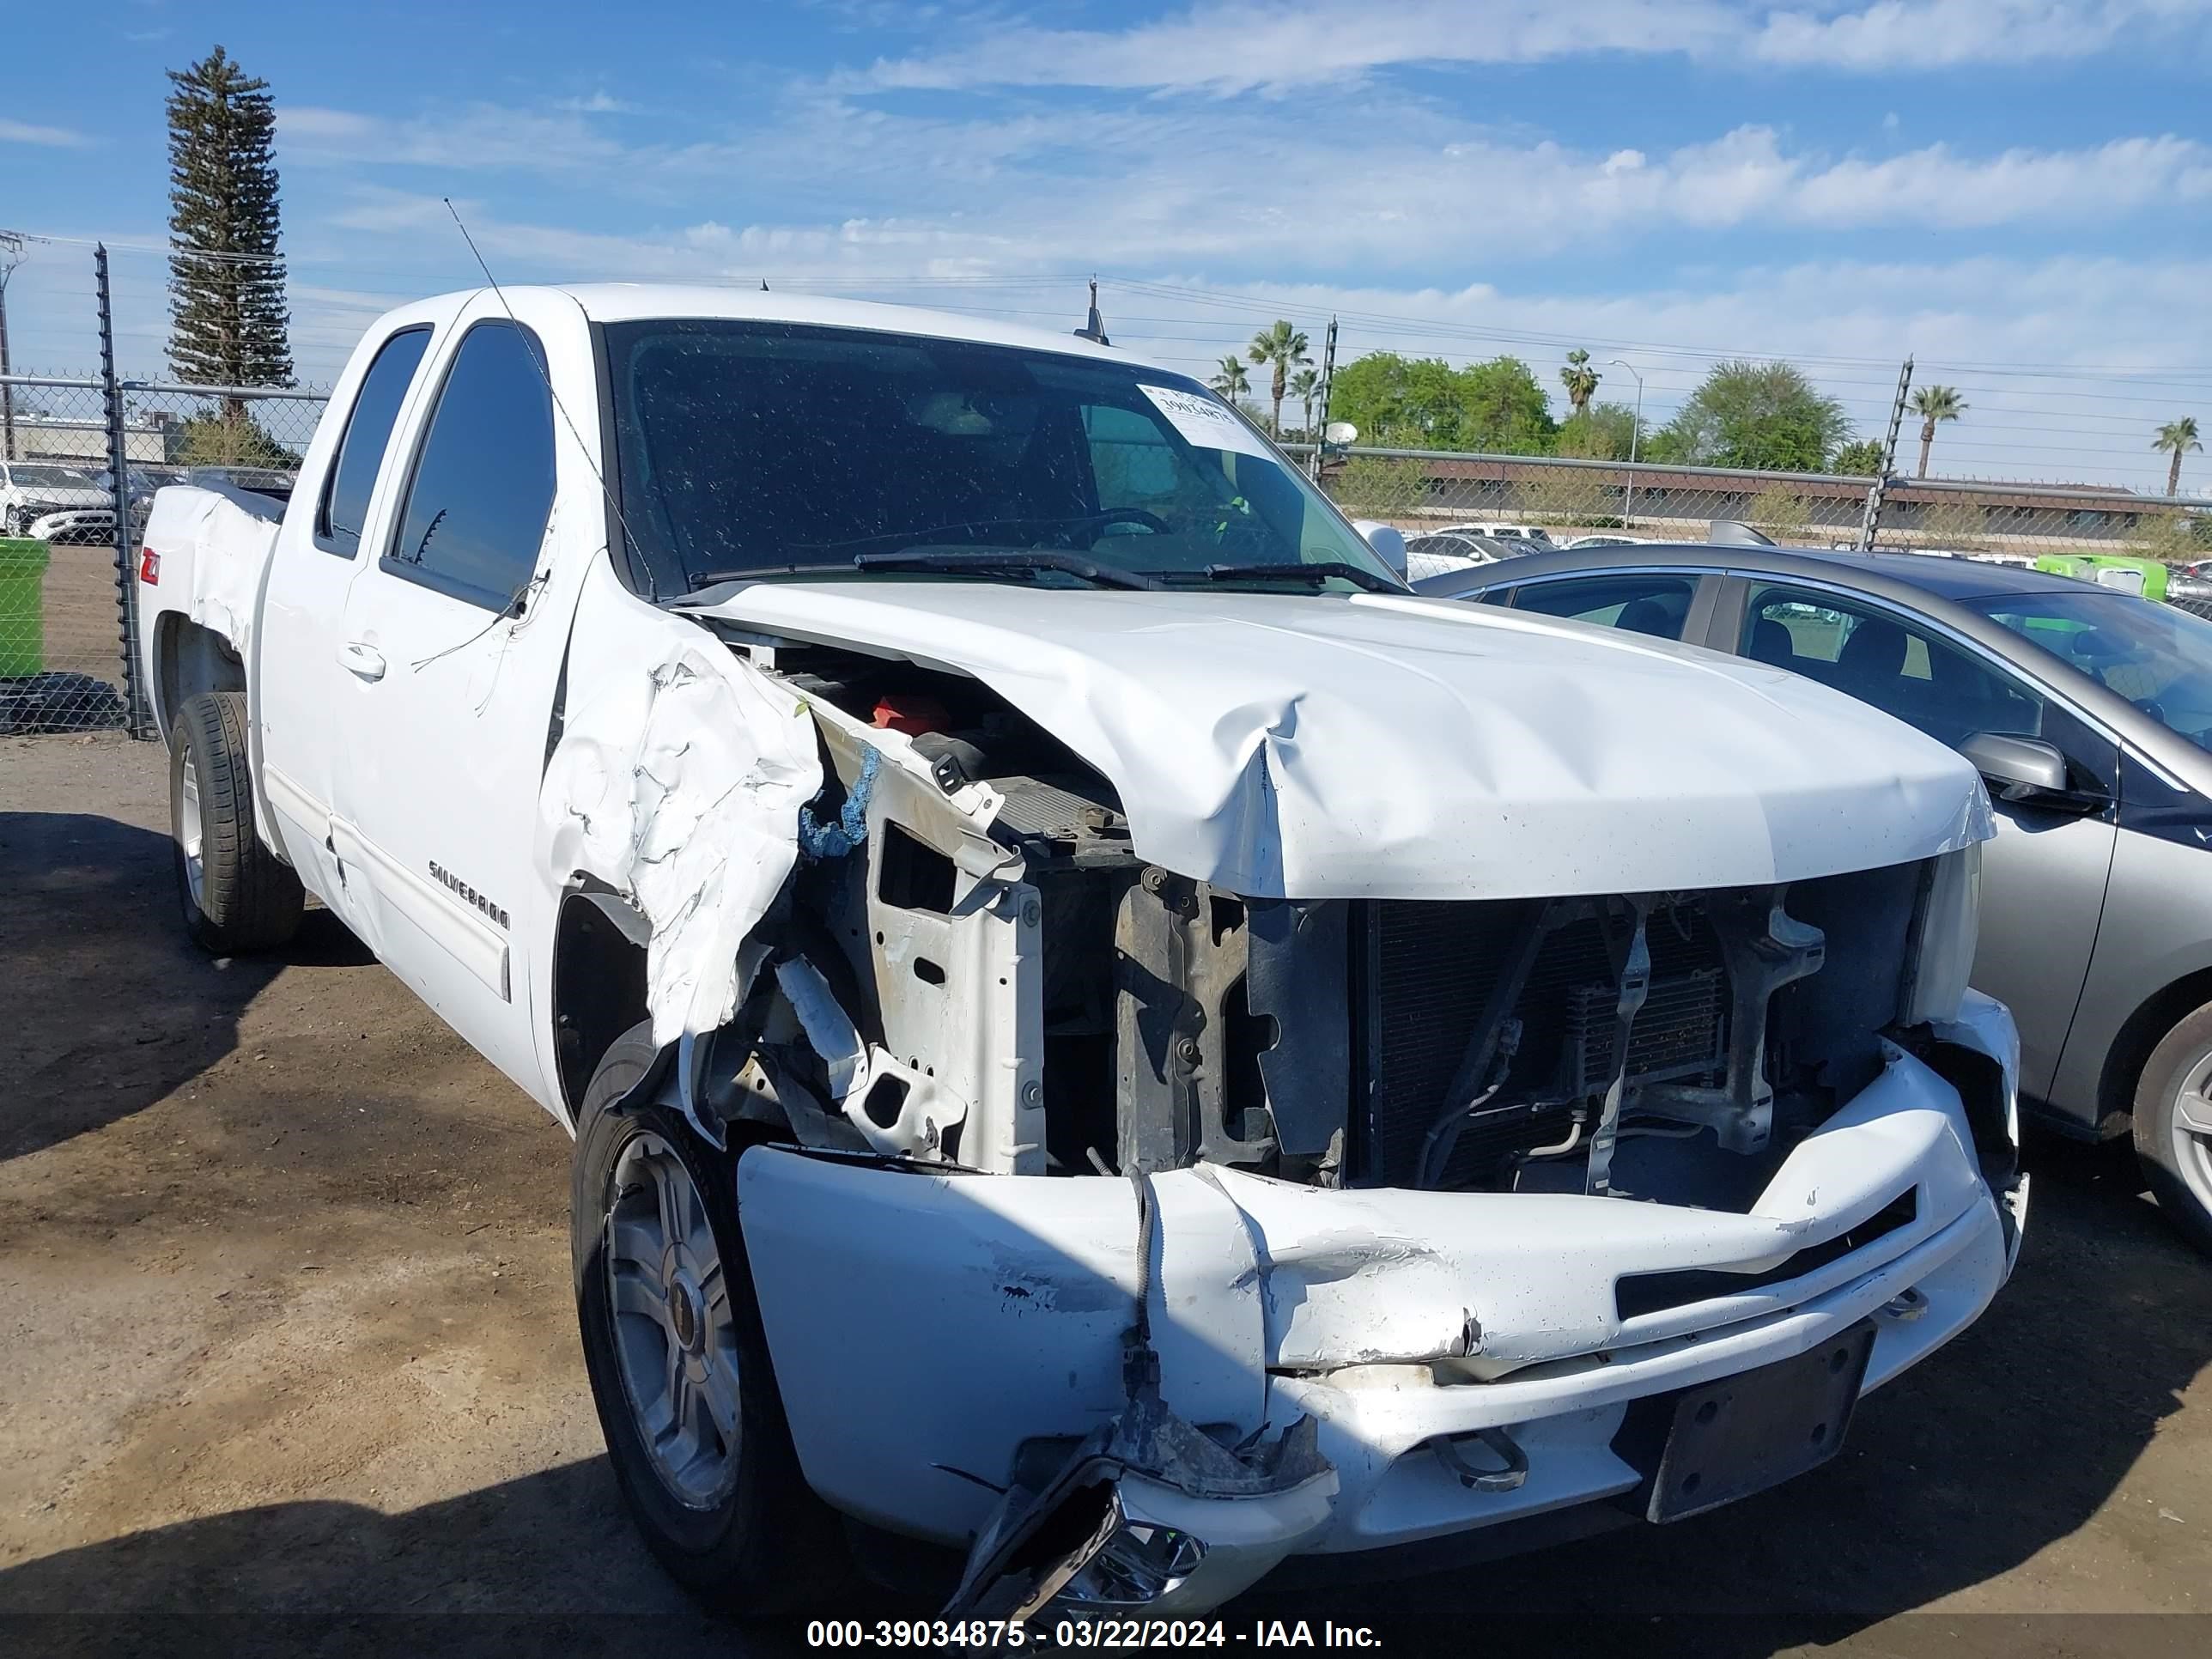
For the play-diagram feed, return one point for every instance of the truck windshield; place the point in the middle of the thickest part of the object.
(2158, 658)
(765, 449)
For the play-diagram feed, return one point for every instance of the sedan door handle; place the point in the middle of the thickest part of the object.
(362, 661)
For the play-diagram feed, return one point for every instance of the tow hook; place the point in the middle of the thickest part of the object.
(1508, 1478)
(1905, 1306)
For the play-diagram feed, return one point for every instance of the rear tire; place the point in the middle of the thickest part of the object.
(677, 1357)
(237, 895)
(2173, 1127)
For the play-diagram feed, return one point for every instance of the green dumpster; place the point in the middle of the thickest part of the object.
(2129, 575)
(22, 610)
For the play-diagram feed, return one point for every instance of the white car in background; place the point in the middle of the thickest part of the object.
(1447, 550)
(30, 490)
(1606, 538)
(1519, 533)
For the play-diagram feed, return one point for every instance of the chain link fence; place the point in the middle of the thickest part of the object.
(79, 460)
(1431, 493)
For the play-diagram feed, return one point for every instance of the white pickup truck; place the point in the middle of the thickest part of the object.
(1101, 1033)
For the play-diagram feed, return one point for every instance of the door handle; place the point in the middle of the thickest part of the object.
(362, 661)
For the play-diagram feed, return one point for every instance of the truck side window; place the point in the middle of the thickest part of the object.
(483, 486)
(345, 505)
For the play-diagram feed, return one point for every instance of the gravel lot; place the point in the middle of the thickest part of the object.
(288, 1358)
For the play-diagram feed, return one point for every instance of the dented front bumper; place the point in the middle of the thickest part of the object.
(936, 1335)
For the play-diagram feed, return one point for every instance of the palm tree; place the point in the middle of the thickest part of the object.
(1580, 381)
(1229, 379)
(1932, 403)
(1280, 344)
(1304, 385)
(2180, 437)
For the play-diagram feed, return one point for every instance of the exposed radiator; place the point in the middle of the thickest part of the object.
(1433, 968)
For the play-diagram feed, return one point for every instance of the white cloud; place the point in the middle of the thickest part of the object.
(23, 132)
(1230, 46)
(599, 103)
(1893, 36)
(1422, 191)
(1849, 320)
(1239, 46)
(475, 136)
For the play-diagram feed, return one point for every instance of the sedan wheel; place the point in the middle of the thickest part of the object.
(2190, 1134)
(2173, 1127)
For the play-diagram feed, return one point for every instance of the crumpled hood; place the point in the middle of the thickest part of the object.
(1305, 746)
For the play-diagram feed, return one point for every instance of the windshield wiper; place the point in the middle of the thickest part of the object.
(985, 561)
(1312, 574)
(699, 579)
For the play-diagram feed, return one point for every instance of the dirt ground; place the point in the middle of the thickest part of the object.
(288, 1361)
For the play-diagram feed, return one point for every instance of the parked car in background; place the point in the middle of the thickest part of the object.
(31, 491)
(82, 526)
(1445, 550)
(985, 862)
(2089, 714)
(268, 481)
(96, 526)
(1607, 538)
(1520, 532)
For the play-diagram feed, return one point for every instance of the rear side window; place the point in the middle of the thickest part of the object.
(345, 505)
(1657, 606)
(483, 487)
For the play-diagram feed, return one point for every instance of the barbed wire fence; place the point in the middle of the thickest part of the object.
(81, 456)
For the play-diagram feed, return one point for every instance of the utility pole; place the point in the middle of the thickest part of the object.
(1328, 374)
(1635, 433)
(1880, 487)
(11, 255)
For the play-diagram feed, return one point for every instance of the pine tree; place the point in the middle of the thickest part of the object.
(228, 323)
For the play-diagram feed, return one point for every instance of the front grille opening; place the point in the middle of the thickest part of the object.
(1637, 1294)
(1436, 965)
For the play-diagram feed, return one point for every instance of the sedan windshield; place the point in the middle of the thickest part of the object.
(2158, 658)
(748, 449)
(51, 477)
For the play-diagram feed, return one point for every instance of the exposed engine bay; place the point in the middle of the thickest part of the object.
(973, 967)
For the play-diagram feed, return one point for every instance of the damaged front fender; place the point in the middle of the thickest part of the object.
(677, 784)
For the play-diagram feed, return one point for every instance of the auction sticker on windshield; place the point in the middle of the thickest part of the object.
(1207, 424)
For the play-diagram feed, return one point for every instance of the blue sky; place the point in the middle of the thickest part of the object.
(2018, 191)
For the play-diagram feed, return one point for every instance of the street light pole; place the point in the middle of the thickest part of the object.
(1635, 433)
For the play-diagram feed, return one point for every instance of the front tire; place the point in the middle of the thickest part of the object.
(2173, 1127)
(237, 895)
(677, 1358)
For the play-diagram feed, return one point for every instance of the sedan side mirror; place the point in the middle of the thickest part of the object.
(2020, 768)
(1388, 541)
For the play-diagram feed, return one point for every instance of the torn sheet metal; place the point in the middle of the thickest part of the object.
(1288, 745)
(1007, 1298)
(213, 547)
(914, 1127)
(678, 782)
(1150, 1515)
